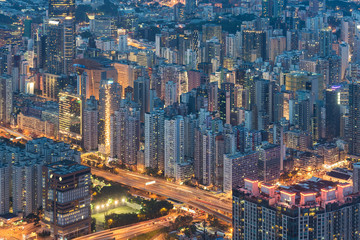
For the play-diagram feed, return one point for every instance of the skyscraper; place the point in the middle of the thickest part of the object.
(154, 139)
(253, 45)
(66, 202)
(90, 124)
(125, 133)
(354, 119)
(26, 186)
(171, 95)
(325, 42)
(332, 113)
(109, 101)
(174, 145)
(60, 45)
(356, 177)
(141, 95)
(70, 116)
(6, 98)
(4, 188)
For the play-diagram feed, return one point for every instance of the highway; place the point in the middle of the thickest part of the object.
(17, 134)
(129, 231)
(221, 208)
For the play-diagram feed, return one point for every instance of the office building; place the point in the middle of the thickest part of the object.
(60, 45)
(70, 116)
(66, 199)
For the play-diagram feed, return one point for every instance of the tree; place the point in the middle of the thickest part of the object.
(93, 224)
(108, 8)
(182, 221)
(81, 13)
(86, 34)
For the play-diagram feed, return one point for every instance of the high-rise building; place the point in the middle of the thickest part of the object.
(109, 102)
(103, 26)
(356, 177)
(50, 88)
(354, 119)
(70, 116)
(141, 95)
(269, 163)
(345, 58)
(96, 70)
(332, 113)
(4, 188)
(204, 156)
(26, 186)
(325, 42)
(154, 139)
(334, 69)
(238, 166)
(60, 45)
(171, 95)
(314, 209)
(125, 133)
(66, 199)
(123, 43)
(174, 145)
(253, 45)
(61, 8)
(277, 46)
(6, 98)
(90, 124)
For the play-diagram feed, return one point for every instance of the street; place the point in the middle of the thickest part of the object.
(130, 231)
(197, 198)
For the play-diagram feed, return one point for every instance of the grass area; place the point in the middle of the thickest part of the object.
(149, 235)
(100, 217)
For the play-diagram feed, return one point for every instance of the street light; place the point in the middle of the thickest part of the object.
(116, 202)
(123, 200)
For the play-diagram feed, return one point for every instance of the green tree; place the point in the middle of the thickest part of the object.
(81, 12)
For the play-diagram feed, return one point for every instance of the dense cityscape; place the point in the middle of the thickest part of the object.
(180, 119)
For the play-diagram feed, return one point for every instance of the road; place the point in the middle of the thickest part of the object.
(221, 208)
(17, 134)
(17, 232)
(129, 231)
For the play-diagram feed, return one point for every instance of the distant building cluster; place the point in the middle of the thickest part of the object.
(202, 93)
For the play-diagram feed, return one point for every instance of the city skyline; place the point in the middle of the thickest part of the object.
(180, 119)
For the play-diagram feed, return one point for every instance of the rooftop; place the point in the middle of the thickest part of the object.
(66, 167)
